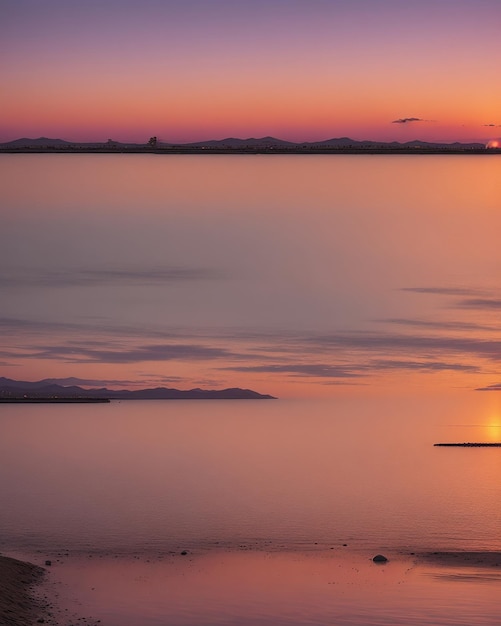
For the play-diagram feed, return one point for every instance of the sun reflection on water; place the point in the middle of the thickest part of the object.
(492, 429)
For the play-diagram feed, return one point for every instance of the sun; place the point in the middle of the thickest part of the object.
(493, 143)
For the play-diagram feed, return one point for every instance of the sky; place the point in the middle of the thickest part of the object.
(300, 70)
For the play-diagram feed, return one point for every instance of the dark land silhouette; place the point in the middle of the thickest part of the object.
(470, 444)
(263, 145)
(49, 391)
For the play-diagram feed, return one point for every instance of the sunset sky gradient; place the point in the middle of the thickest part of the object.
(302, 70)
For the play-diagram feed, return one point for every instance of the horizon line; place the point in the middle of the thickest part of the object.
(268, 138)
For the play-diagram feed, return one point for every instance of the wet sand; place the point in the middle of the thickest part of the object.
(459, 558)
(18, 605)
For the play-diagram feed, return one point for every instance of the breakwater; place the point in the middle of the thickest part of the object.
(470, 444)
(52, 400)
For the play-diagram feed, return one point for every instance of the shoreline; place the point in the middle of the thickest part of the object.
(18, 603)
(23, 585)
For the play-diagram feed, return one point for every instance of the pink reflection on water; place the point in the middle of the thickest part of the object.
(275, 588)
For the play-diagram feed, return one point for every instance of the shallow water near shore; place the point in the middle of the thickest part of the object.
(274, 588)
(279, 506)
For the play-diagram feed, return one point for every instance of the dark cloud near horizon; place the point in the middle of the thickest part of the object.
(316, 370)
(387, 343)
(422, 366)
(494, 387)
(18, 323)
(86, 382)
(260, 344)
(422, 346)
(475, 298)
(485, 304)
(322, 370)
(162, 352)
(440, 325)
(41, 327)
(160, 378)
(492, 125)
(408, 120)
(108, 277)
(443, 291)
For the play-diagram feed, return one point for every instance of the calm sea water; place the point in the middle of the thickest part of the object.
(262, 495)
(161, 475)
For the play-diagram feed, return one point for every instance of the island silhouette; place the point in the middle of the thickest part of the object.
(49, 391)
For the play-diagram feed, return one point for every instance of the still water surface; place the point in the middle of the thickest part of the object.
(262, 495)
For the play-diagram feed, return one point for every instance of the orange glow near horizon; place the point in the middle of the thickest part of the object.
(493, 430)
(184, 117)
(229, 70)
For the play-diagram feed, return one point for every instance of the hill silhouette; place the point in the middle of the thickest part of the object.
(234, 144)
(49, 388)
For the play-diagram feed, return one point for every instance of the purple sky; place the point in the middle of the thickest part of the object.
(297, 69)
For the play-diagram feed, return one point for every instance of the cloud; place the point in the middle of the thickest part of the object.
(441, 325)
(139, 354)
(338, 357)
(108, 277)
(393, 344)
(159, 378)
(408, 120)
(478, 299)
(480, 303)
(443, 291)
(88, 382)
(492, 125)
(495, 387)
(354, 370)
(317, 370)
(12, 325)
(423, 366)
(15, 323)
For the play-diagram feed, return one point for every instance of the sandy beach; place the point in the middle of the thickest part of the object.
(18, 604)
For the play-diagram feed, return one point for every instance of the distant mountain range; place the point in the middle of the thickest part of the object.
(51, 388)
(266, 144)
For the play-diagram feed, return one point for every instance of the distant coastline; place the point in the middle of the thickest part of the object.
(51, 391)
(470, 444)
(52, 400)
(264, 145)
